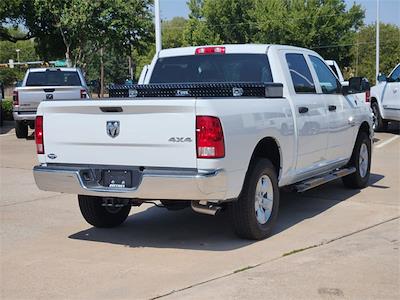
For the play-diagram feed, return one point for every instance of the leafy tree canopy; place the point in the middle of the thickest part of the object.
(363, 51)
(312, 24)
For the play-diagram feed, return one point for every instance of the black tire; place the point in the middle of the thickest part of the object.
(379, 123)
(100, 216)
(244, 216)
(358, 180)
(21, 130)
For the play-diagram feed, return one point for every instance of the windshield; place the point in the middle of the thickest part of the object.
(212, 68)
(53, 78)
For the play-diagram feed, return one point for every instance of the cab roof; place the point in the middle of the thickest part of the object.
(53, 69)
(229, 49)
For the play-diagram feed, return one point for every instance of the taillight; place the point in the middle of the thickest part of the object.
(210, 50)
(83, 93)
(39, 135)
(209, 137)
(15, 98)
(367, 96)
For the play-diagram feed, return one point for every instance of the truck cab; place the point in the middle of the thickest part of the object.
(385, 99)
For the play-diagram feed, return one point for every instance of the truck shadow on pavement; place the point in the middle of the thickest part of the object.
(7, 127)
(184, 229)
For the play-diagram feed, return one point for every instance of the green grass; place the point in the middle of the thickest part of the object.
(244, 269)
(298, 250)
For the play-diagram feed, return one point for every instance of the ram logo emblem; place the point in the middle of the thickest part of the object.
(112, 128)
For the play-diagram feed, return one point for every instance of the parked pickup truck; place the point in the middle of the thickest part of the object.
(364, 96)
(212, 127)
(44, 83)
(385, 99)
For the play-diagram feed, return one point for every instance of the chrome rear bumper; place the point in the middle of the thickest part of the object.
(24, 115)
(171, 184)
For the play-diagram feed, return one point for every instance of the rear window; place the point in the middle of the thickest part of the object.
(300, 73)
(53, 78)
(212, 68)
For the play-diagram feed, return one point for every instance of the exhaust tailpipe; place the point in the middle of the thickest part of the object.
(208, 209)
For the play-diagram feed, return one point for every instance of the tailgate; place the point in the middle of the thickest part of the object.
(30, 97)
(144, 133)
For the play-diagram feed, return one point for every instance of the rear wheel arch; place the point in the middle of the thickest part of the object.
(269, 148)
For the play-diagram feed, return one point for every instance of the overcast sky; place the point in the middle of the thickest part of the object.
(389, 9)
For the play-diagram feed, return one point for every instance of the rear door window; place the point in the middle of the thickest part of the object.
(212, 68)
(53, 78)
(300, 73)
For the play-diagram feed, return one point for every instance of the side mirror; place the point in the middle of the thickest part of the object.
(382, 77)
(356, 85)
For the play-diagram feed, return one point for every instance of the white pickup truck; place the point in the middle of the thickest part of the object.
(44, 83)
(385, 99)
(212, 127)
(364, 96)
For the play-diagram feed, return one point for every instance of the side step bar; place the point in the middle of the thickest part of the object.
(318, 180)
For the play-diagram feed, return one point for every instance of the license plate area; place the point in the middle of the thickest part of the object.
(117, 179)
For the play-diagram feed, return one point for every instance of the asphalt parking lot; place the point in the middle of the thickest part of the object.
(330, 242)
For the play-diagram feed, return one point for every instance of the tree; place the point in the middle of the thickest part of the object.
(219, 21)
(319, 25)
(8, 50)
(172, 32)
(78, 24)
(363, 51)
(197, 32)
(230, 20)
(316, 24)
(37, 24)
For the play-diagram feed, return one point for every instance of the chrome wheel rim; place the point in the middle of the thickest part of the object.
(264, 199)
(363, 160)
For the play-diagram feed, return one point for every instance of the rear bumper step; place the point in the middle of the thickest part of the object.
(152, 184)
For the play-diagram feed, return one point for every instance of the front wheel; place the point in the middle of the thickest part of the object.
(361, 160)
(256, 210)
(379, 123)
(98, 215)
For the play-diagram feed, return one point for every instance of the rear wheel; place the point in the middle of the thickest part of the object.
(256, 210)
(21, 130)
(95, 212)
(361, 160)
(379, 123)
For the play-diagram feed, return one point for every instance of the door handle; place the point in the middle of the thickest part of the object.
(395, 91)
(303, 109)
(332, 107)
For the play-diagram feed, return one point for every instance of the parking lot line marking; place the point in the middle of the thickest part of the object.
(380, 145)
